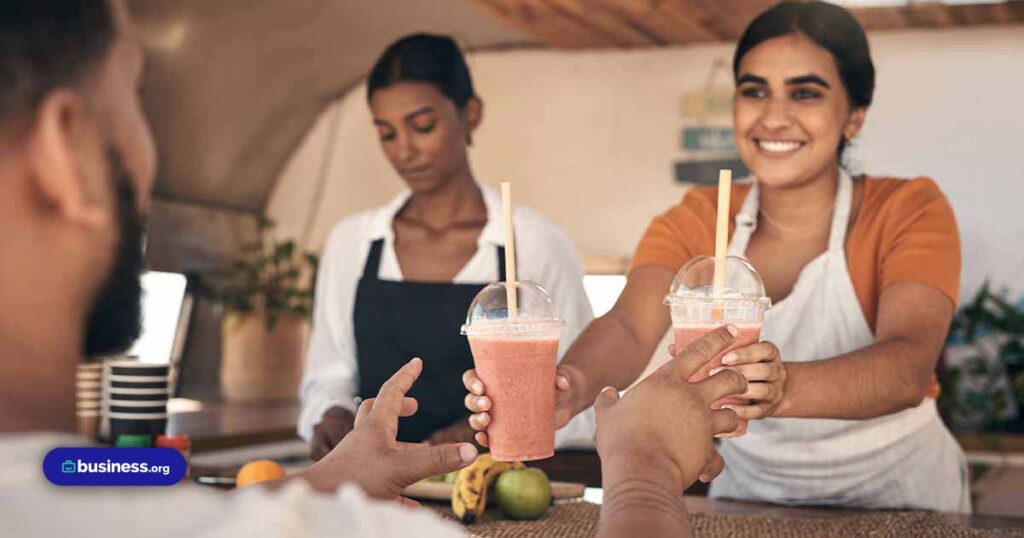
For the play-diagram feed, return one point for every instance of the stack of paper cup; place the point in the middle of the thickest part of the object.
(135, 398)
(88, 393)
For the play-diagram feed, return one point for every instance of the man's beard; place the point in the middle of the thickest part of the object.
(115, 321)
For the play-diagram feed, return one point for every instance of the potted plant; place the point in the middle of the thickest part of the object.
(982, 377)
(267, 297)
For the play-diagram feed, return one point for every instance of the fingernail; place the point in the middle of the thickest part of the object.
(468, 453)
(715, 371)
(703, 478)
(481, 401)
(732, 329)
(609, 387)
(564, 381)
(478, 387)
(728, 406)
(729, 358)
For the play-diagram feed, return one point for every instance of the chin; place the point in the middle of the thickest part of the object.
(420, 184)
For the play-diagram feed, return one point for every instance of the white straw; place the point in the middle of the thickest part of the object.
(510, 250)
(722, 229)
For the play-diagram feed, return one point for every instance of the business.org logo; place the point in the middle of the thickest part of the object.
(92, 466)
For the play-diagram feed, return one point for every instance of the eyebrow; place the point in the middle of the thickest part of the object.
(418, 112)
(793, 81)
(807, 79)
(409, 116)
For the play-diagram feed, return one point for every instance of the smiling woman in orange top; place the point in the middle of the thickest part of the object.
(862, 272)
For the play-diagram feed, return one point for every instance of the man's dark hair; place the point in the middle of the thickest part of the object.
(47, 44)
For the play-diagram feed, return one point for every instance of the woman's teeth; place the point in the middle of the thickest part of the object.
(778, 146)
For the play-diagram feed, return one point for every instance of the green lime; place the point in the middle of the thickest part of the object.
(523, 493)
(450, 477)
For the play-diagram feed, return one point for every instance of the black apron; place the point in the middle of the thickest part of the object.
(396, 321)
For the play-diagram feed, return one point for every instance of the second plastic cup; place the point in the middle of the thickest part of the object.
(516, 357)
(697, 309)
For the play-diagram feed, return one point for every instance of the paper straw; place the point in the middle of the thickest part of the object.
(510, 250)
(722, 229)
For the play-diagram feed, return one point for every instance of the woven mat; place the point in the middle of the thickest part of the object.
(579, 520)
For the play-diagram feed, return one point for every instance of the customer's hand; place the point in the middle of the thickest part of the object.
(761, 364)
(333, 427)
(569, 387)
(660, 432)
(371, 457)
(459, 432)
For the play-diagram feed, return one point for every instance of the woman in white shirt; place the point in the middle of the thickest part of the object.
(395, 282)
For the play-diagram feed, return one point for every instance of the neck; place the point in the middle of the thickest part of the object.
(805, 204)
(40, 349)
(458, 199)
(43, 306)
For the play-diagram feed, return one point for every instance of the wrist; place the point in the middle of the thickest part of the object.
(627, 466)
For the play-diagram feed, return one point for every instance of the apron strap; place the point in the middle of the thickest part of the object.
(501, 263)
(372, 267)
(841, 212)
(746, 223)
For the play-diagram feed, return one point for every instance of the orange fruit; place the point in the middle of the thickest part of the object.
(258, 471)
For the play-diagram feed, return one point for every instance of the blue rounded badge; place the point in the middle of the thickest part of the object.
(99, 466)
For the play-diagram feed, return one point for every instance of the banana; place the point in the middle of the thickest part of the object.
(469, 493)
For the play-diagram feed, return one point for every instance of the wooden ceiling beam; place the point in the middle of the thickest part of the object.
(662, 19)
(551, 28)
(593, 14)
(931, 15)
(645, 23)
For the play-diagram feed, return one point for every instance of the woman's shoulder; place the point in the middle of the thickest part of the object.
(535, 227)
(899, 196)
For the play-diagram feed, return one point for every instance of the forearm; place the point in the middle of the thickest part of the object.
(607, 353)
(881, 379)
(638, 506)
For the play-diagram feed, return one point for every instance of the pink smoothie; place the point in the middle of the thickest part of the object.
(749, 334)
(519, 374)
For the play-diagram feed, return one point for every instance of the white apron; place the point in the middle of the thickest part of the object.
(903, 460)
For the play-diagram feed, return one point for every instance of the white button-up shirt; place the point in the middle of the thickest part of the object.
(543, 255)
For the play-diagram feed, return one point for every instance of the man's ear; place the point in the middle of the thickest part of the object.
(64, 154)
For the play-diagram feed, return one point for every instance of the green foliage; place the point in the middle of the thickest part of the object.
(272, 277)
(979, 391)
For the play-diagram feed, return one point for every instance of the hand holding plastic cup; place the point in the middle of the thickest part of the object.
(515, 352)
(697, 308)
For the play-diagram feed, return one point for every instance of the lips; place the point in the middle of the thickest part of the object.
(778, 147)
(414, 171)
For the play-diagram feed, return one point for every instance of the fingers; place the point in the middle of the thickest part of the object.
(364, 410)
(477, 404)
(754, 411)
(605, 399)
(417, 464)
(690, 359)
(472, 382)
(760, 392)
(759, 352)
(391, 395)
(481, 439)
(562, 382)
(720, 385)
(479, 421)
(407, 502)
(723, 421)
(759, 371)
(319, 447)
(671, 350)
(713, 468)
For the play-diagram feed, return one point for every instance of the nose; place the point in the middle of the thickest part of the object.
(405, 147)
(776, 114)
